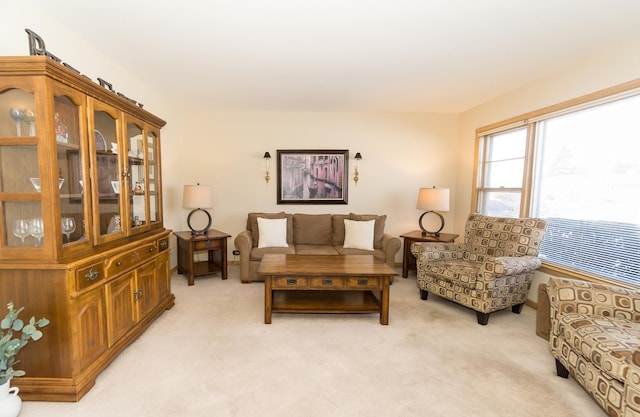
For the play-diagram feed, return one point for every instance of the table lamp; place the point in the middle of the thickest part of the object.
(198, 198)
(432, 199)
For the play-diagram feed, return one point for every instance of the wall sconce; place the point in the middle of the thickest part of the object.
(198, 197)
(267, 157)
(356, 175)
(432, 199)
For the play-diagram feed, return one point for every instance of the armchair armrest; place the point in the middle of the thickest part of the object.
(436, 251)
(509, 265)
(569, 295)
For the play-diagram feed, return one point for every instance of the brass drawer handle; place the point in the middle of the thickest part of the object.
(292, 281)
(363, 281)
(327, 282)
(164, 244)
(91, 275)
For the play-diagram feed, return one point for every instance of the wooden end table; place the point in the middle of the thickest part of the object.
(214, 243)
(408, 260)
(325, 284)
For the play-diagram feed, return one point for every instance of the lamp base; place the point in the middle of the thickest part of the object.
(425, 231)
(202, 231)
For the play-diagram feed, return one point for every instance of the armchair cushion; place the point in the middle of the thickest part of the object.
(608, 342)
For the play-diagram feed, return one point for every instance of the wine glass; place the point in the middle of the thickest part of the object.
(68, 226)
(21, 229)
(17, 115)
(36, 229)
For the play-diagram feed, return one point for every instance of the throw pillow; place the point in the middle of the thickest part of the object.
(358, 234)
(272, 233)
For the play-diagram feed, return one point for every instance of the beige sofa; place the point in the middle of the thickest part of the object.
(311, 234)
(595, 337)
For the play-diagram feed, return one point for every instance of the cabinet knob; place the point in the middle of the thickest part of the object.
(91, 275)
(118, 263)
(163, 244)
(151, 249)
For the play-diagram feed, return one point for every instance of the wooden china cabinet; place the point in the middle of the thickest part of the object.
(82, 241)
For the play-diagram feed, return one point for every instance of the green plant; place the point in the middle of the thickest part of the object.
(10, 345)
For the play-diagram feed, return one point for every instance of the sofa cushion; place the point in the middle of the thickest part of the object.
(312, 229)
(272, 233)
(358, 234)
(378, 233)
(338, 229)
(606, 342)
(316, 250)
(257, 253)
(252, 224)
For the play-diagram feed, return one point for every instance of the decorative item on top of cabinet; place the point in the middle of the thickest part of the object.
(57, 249)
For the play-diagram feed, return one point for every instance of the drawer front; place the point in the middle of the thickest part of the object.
(285, 283)
(130, 259)
(369, 283)
(326, 283)
(89, 275)
(163, 244)
(207, 244)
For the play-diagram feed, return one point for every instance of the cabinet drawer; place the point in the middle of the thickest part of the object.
(130, 259)
(364, 282)
(317, 283)
(89, 275)
(281, 283)
(207, 244)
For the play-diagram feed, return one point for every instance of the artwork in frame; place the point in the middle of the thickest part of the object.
(312, 176)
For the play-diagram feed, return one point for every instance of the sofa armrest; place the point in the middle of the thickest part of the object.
(437, 251)
(390, 246)
(509, 265)
(243, 243)
(570, 295)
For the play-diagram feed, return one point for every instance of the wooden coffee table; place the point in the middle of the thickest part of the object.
(325, 284)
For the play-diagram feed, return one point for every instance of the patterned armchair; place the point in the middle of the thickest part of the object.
(595, 337)
(490, 271)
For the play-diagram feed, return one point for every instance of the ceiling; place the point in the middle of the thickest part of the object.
(347, 55)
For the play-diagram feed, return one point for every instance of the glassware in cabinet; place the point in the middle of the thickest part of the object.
(71, 181)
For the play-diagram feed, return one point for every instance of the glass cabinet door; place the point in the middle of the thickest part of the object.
(136, 175)
(20, 187)
(71, 181)
(108, 185)
(153, 177)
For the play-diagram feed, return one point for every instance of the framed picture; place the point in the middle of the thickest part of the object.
(313, 176)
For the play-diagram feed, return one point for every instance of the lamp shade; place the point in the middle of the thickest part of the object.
(197, 196)
(433, 199)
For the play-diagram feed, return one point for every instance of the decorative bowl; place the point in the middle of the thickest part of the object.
(36, 183)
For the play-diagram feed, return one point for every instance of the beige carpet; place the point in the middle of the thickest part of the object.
(211, 355)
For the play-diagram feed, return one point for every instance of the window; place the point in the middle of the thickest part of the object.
(578, 168)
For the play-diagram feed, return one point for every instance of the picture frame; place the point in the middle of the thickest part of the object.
(312, 176)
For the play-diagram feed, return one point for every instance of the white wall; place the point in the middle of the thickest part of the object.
(601, 71)
(401, 152)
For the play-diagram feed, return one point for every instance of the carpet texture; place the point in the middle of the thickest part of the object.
(212, 355)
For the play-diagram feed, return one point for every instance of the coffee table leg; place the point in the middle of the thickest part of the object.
(384, 299)
(268, 298)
